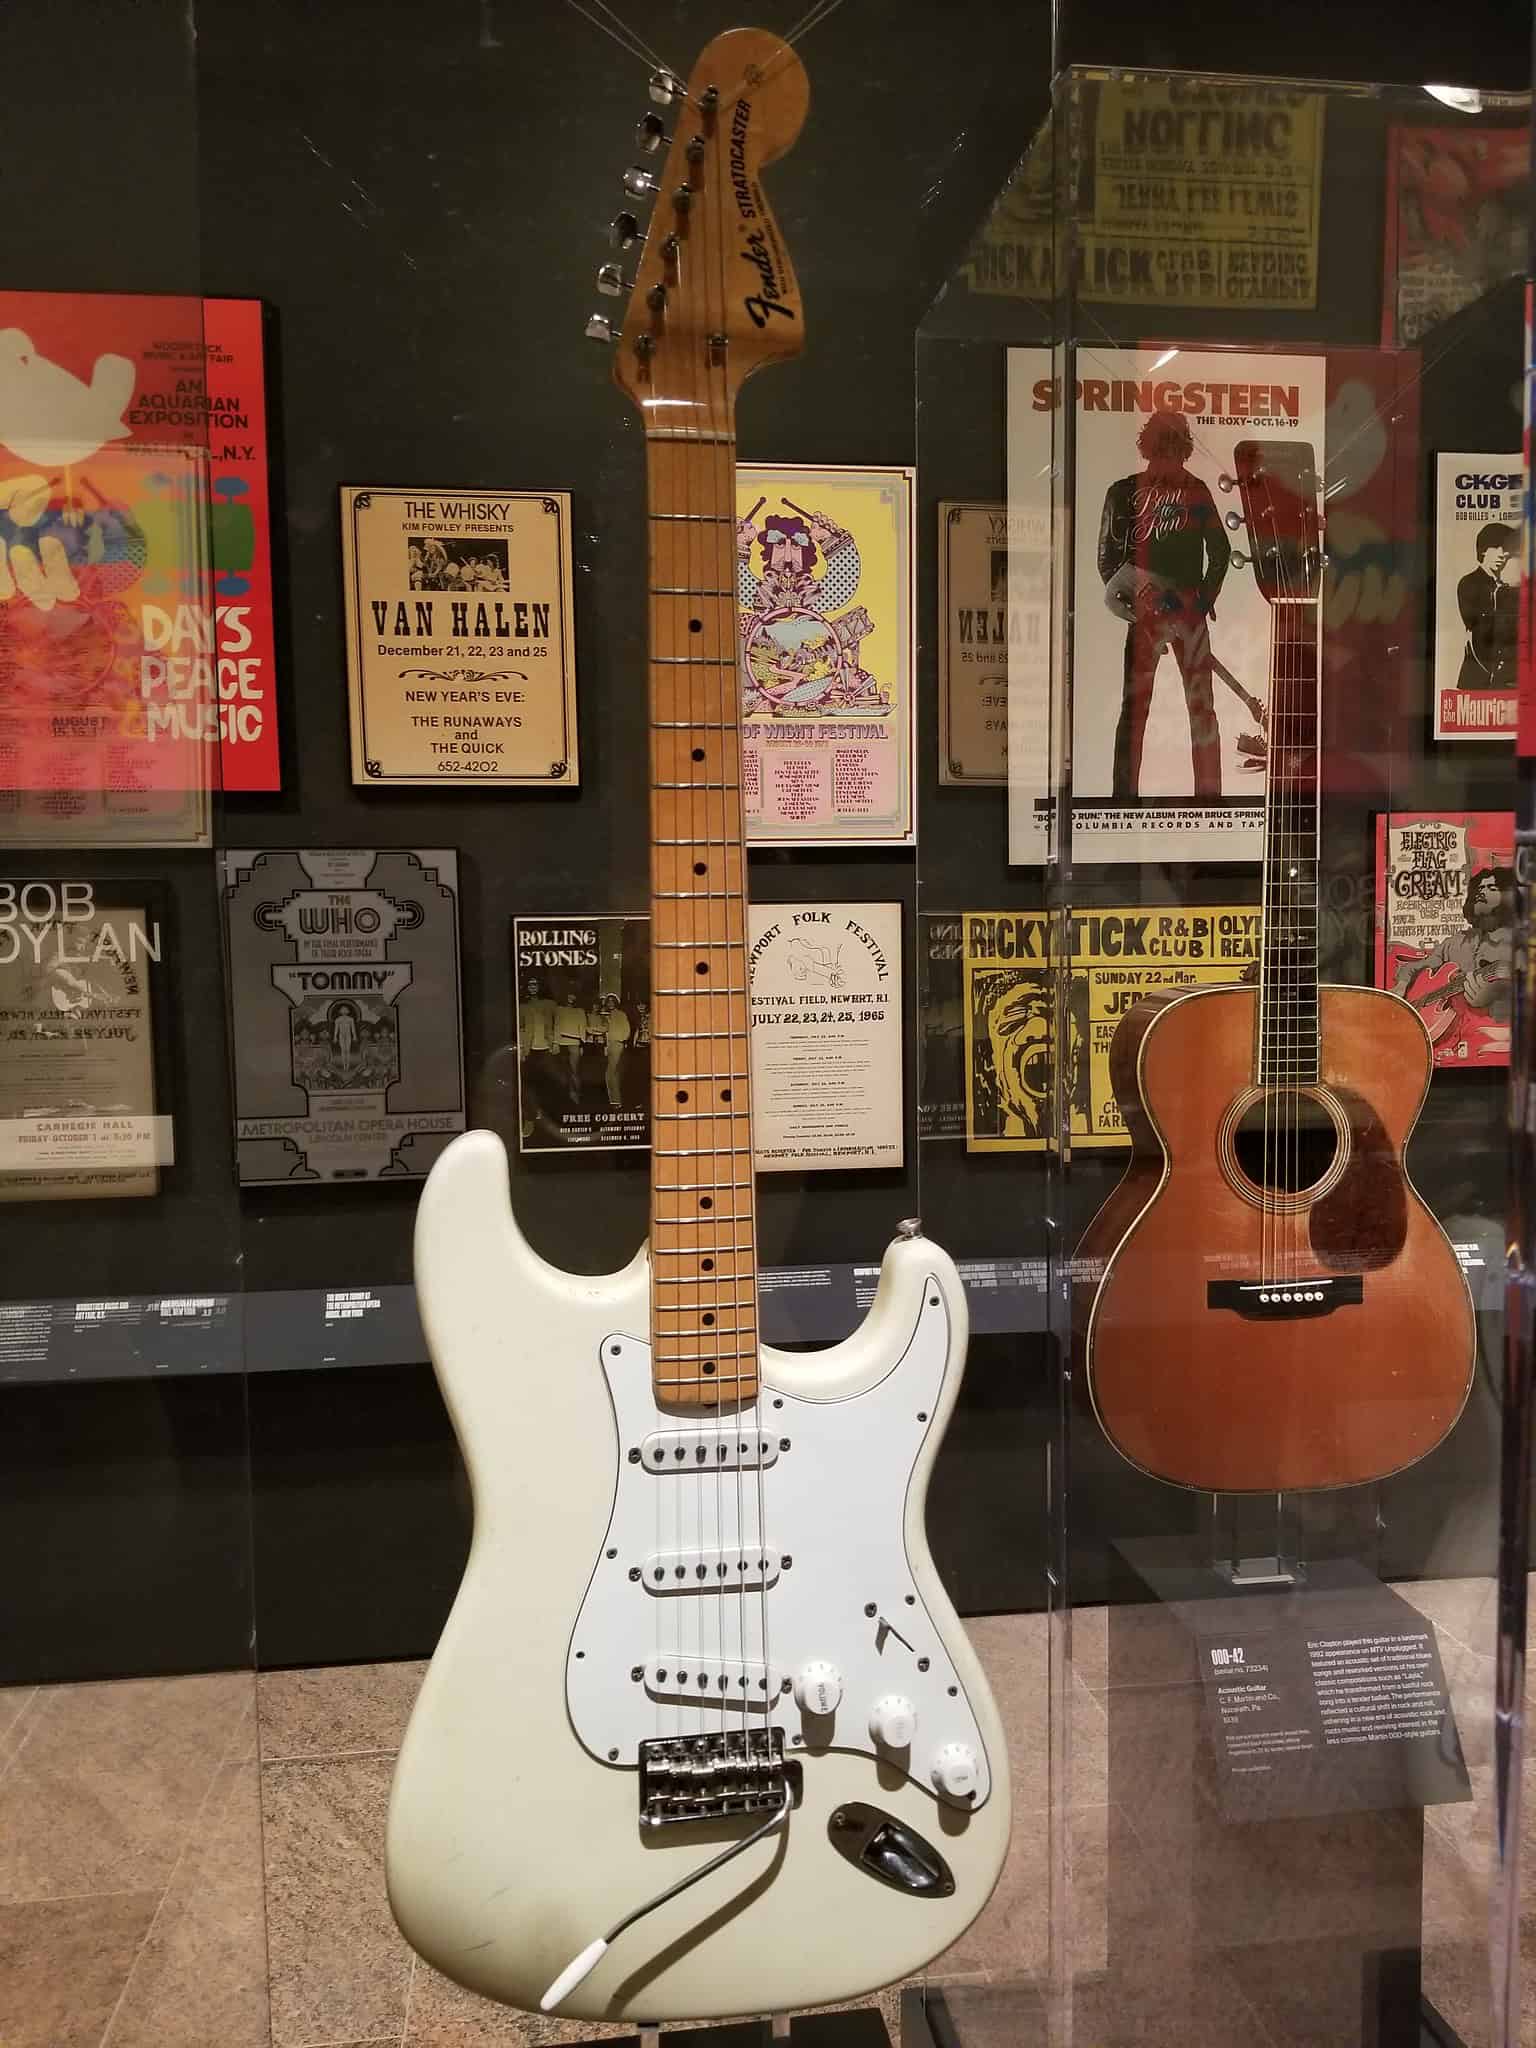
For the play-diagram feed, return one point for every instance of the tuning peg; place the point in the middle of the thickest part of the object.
(611, 281)
(651, 134)
(640, 183)
(1225, 483)
(1239, 559)
(1234, 522)
(665, 88)
(598, 328)
(623, 231)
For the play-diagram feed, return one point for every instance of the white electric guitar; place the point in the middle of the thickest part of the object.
(703, 1734)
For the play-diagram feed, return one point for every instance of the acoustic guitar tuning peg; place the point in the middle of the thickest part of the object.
(623, 231)
(611, 281)
(640, 183)
(1240, 560)
(1234, 522)
(1225, 483)
(665, 88)
(651, 134)
(599, 328)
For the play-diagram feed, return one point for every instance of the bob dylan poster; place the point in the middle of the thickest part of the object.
(344, 1000)
(461, 663)
(1445, 927)
(583, 1032)
(1478, 524)
(824, 585)
(1171, 654)
(78, 1115)
(1118, 956)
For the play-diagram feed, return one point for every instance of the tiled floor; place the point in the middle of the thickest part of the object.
(198, 1862)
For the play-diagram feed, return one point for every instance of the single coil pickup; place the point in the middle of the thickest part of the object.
(1278, 1301)
(702, 1679)
(707, 1450)
(715, 1776)
(711, 1571)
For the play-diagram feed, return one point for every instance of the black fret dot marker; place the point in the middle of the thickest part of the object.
(706, 1201)
(701, 967)
(698, 753)
(682, 1094)
(699, 868)
(708, 1319)
(725, 1094)
(706, 1265)
(709, 1365)
(695, 625)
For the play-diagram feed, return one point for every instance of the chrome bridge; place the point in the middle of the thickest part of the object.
(1277, 1301)
(714, 1777)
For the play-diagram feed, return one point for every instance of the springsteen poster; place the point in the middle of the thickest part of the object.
(1445, 927)
(583, 994)
(78, 1115)
(460, 651)
(824, 587)
(1477, 594)
(1171, 652)
(345, 1012)
(1117, 956)
(1458, 221)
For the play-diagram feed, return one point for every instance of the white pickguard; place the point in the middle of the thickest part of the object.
(834, 1504)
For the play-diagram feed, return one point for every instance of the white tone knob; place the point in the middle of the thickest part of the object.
(955, 1770)
(893, 1722)
(818, 1687)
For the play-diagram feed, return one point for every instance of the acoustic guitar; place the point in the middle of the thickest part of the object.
(702, 1734)
(1266, 1303)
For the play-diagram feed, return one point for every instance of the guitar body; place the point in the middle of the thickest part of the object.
(1350, 1352)
(513, 1839)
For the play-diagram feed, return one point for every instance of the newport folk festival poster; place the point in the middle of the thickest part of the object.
(1172, 637)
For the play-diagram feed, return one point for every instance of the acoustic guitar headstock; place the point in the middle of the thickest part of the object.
(1277, 481)
(713, 295)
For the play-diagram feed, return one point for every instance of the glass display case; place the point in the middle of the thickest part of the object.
(1071, 743)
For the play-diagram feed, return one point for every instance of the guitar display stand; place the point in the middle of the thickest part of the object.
(860, 2027)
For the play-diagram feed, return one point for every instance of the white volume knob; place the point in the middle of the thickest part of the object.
(955, 1770)
(893, 1722)
(818, 1687)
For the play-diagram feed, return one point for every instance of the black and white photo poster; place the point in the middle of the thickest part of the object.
(1477, 594)
(1171, 633)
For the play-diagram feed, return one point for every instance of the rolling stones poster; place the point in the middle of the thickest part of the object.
(1445, 927)
(1458, 221)
(461, 662)
(1171, 651)
(345, 1012)
(941, 1026)
(824, 585)
(1118, 956)
(137, 674)
(583, 1005)
(78, 1113)
(1478, 523)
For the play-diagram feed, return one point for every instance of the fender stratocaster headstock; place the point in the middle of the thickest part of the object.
(714, 294)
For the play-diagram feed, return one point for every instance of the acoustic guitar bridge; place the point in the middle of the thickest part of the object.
(715, 1777)
(1279, 1301)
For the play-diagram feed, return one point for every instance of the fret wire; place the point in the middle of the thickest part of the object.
(688, 1116)
(686, 590)
(695, 945)
(693, 661)
(684, 434)
(698, 518)
(694, 724)
(700, 1251)
(707, 1152)
(695, 785)
(693, 841)
(715, 895)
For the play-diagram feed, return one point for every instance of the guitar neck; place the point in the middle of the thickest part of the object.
(703, 1218)
(1287, 1049)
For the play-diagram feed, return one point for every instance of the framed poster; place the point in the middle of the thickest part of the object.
(941, 1027)
(1445, 927)
(1478, 525)
(461, 661)
(976, 577)
(79, 1118)
(824, 584)
(345, 1011)
(1171, 650)
(1458, 221)
(582, 997)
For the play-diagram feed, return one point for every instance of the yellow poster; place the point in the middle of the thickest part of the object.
(1194, 192)
(824, 593)
(1118, 956)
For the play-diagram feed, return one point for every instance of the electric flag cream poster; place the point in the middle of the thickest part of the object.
(78, 1115)
(824, 584)
(461, 661)
(130, 684)
(1478, 517)
(345, 1009)
(1458, 221)
(1118, 956)
(1171, 651)
(1445, 927)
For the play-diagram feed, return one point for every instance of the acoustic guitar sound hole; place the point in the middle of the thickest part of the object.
(1285, 1142)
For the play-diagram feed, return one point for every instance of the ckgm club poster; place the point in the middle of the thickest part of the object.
(1172, 636)
(1477, 594)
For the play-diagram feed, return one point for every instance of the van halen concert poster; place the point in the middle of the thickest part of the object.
(1445, 927)
(1172, 647)
(136, 673)
(345, 1009)
(824, 585)
(1478, 523)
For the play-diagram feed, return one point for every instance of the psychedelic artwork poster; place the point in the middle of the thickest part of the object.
(345, 1011)
(1118, 956)
(1445, 927)
(1479, 520)
(824, 586)
(1458, 221)
(138, 672)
